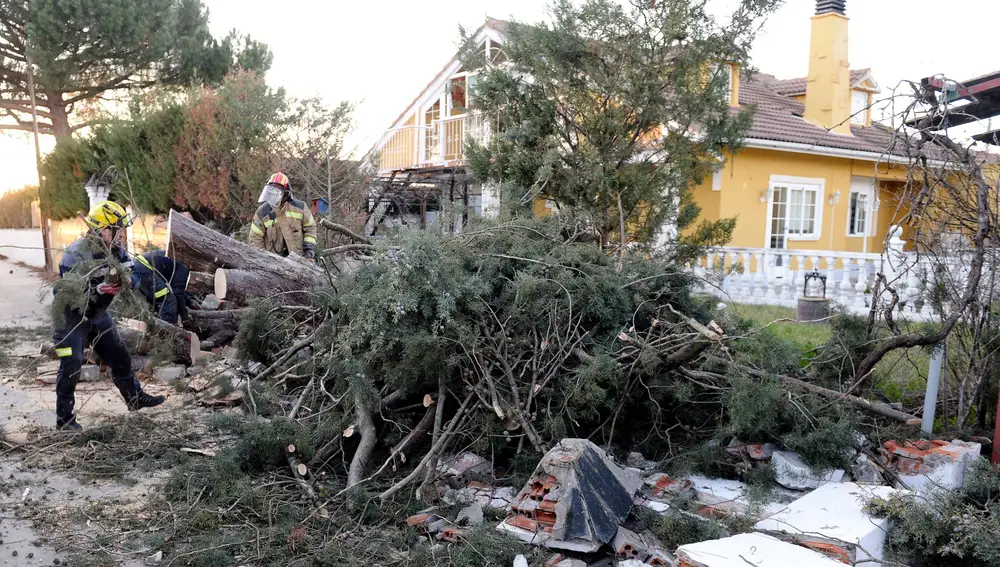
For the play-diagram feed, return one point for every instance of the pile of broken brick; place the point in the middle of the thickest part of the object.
(579, 503)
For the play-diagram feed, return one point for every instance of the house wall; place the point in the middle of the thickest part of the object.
(747, 175)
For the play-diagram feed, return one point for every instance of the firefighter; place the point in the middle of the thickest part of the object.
(100, 258)
(162, 281)
(283, 224)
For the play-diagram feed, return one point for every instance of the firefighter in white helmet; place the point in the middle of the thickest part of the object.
(283, 224)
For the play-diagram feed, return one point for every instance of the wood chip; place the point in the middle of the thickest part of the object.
(204, 452)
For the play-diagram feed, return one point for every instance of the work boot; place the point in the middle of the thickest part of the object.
(70, 425)
(144, 400)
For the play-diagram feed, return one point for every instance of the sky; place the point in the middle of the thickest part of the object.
(381, 53)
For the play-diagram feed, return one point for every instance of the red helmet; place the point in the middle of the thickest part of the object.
(280, 180)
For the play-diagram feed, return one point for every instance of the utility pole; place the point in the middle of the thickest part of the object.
(43, 209)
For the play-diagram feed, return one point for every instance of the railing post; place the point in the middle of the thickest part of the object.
(747, 281)
(862, 284)
(761, 277)
(831, 263)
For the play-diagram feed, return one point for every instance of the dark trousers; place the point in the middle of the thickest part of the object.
(69, 341)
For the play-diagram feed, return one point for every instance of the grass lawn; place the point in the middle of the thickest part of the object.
(900, 375)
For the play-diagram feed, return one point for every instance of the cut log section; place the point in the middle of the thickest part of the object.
(183, 347)
(240, 286)
(202, 283)
(205, 250)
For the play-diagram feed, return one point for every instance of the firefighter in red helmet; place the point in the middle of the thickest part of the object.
(283, 224)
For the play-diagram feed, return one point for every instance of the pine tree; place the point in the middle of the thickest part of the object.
(615, 111)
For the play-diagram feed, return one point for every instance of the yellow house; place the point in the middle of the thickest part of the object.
(816, 174)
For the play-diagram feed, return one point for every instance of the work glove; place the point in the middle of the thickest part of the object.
(107, 288)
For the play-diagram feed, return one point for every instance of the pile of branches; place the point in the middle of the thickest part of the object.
(509, 337)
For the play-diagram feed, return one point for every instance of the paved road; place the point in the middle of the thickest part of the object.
(24, 297)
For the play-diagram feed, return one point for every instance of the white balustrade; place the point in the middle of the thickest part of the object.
(777, 277)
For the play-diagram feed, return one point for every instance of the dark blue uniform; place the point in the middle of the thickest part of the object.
(91, 323)
(162, 281)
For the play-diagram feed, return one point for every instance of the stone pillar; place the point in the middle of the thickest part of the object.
(96, 192)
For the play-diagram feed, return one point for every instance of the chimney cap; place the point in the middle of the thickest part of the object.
(831, 7)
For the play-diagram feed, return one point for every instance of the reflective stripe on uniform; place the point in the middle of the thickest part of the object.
(268, 223)
(64, 352)
(309, 223)
(293, 214)
(309, 239)
(142, 260)
(257, 230)
(161, 293)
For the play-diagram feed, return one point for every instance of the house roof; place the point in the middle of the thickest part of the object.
(779, 118)
(797, 87)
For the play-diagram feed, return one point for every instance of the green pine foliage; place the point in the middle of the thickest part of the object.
(948, 529)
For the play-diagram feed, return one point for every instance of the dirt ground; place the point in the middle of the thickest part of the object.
(49, 480)
(24, 296)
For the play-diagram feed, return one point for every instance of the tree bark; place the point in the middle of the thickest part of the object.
(182, 346)
(240, 286)
(206, 322)
(201, 283)
(205, 250)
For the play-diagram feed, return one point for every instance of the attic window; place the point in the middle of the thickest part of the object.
(859, 108)
(726, 71)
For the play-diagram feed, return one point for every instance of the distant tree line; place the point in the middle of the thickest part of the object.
(15, 207)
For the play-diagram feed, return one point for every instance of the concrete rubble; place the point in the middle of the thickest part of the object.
(576, 499)
(716, 496)
(865, 471)
(169, 374)
(463, 468)
(579, 501)
(631, 546)
(750, 549)
(832, 520)
(924, 466)
(795, 473)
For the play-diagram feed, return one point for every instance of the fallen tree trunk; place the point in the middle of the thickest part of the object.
(240, 286)
(216, 328)
(201, 283)
(205, 250)
(182, 347)
(206, 323)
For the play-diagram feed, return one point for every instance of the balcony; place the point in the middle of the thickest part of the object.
(441, 143)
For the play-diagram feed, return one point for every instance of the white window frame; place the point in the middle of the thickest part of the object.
(813, 184)
(862, 186)
(859, 116)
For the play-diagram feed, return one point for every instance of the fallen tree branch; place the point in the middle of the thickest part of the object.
(368, 438)
(877, 408)
(288, 355)
(348, 248)
(345, 231)
(437, 447)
